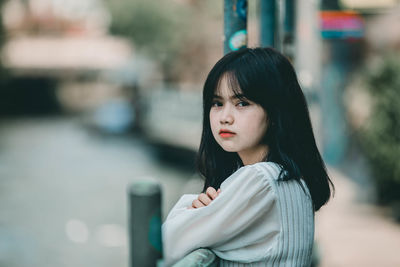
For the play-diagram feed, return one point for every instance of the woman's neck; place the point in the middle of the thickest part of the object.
(254, 155)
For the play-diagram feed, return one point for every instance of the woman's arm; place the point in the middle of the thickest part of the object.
(204, 199)
(241, 224)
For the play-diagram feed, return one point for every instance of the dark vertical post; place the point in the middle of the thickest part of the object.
(289, 28)
(235, 25)
(268, 23)
(145, 224)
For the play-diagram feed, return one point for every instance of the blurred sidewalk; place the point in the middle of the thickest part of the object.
(351, 233)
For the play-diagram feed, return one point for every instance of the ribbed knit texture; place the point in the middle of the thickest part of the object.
(295, 242)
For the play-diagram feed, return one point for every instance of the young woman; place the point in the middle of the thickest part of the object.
(264, 176)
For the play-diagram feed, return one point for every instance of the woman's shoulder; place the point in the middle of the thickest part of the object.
(268, 168)
(273, 171)
(265, 171)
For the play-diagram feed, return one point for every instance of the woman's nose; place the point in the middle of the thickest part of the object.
(226, 115)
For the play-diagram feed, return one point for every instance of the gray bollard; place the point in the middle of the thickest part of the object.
(145, 241)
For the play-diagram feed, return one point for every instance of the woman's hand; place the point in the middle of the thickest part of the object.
(204, 199)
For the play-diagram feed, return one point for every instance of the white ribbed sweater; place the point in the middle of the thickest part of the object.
(256, 220)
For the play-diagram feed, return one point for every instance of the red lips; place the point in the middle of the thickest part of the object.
(226, 133)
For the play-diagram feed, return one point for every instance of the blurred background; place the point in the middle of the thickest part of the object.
(98, 94)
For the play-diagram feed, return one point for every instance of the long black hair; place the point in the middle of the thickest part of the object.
(266, 77)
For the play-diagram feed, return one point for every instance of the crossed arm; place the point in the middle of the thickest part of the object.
(204, 199)
(239, 222)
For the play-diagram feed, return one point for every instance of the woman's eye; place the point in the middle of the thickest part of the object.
(243, 104)
(216, 104)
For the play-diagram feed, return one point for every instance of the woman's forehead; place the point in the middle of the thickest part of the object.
(228, 86)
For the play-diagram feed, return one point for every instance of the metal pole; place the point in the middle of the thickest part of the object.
(289, 27)
(145, 224)
(235, 25)
(268, 23)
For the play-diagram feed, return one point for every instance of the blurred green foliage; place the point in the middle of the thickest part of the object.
(380, 137)
(162, 29)
(153, 25)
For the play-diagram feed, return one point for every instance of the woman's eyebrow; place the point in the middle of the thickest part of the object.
(240, 96)
(217, 96)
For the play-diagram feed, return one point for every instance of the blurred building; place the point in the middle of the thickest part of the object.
(63, 48)
(55, 17)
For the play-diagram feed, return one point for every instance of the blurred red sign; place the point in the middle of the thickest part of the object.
(341, 25)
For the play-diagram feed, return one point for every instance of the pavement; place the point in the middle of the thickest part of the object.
(350, 232)
(63, 201)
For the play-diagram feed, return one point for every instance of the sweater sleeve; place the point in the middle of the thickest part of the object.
(241, 224)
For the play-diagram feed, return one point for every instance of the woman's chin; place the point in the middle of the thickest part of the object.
(229, 149)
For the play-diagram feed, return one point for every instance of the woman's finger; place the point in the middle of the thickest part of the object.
(211, 192)
(204, 199)
(197, 204)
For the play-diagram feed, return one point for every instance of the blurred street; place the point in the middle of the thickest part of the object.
(63, 192)
(351, 232)
(98, 94)
(63, 200)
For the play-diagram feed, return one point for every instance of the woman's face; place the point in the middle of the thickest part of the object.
(237, 125)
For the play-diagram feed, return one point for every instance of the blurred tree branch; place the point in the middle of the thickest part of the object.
(155, 28)
(380, 136)
(170, 32)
